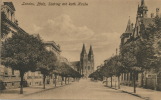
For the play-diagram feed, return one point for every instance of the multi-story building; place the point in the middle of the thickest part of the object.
(132, 33)
(9, 78)
(36, 78)
(52, 46)
(33, 78)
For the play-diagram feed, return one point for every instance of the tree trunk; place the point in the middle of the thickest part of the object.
(55, 80)
(21, 83)
(118, 82)
(106, 81)
(142, 79)
(68, 80)
(62, 80)
(155, 87)
(115, 82)
(111, 81)
(65, 80)
(134, 79)
(44, 77)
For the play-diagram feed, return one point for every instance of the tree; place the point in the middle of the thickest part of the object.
(129, 60)
(118, 68)
(66, 71)
(143, 53)
(46, 64)
(154, 40)
(21, 52)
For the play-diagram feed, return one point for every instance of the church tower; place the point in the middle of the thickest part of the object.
(128, 33)
(91, 59)
(83, 60)
(142, 10)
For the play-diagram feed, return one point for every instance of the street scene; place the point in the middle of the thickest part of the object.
(84, 89)
(72, 49)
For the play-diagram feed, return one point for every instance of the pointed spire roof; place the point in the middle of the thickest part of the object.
(83, 50)
(90, 51)
(142, 3)
(129, 27)
(138, 6)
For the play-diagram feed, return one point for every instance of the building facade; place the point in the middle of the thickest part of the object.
(148, 78)
(36, 78)
(9, 78)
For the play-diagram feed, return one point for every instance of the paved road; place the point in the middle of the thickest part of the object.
(84, 89)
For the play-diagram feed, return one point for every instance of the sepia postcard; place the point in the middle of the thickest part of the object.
(80, 49)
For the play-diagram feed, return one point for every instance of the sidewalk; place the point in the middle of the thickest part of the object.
(146, 94)
(15, 93)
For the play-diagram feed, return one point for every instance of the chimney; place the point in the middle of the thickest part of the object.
(152, 15)
(157, 12)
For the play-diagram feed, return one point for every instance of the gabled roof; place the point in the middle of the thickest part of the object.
(125, 35)
(10, 4)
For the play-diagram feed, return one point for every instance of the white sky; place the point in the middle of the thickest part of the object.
(100, 24)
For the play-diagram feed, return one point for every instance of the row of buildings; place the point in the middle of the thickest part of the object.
(148, 78)
(10, 78)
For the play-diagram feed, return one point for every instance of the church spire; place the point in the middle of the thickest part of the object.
(129, 27)
(83, 50)
(142, 3)
(143, 9)
(90, 51)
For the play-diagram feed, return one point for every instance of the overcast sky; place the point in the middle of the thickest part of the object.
(99, 24)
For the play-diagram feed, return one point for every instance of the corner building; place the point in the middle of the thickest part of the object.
(149, 78)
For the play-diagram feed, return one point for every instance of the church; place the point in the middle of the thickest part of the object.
(86, 64)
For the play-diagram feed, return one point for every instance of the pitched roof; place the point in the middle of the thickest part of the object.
(75, 63)
(10, 4)
(129, 28)
(142, 3)
(83, 50)
(147, 21)
(90, 51)
(52, 43)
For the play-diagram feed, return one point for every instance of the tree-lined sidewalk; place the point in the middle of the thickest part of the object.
(138, 55)
(25, 52)
(14, 93)
(147, 94)
(143, 93)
